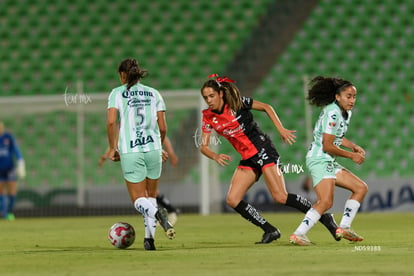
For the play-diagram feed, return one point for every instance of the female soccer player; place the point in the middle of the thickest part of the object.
(337, 97)
(229, 115)
(10, 171)
(141, 133)
(162, 201)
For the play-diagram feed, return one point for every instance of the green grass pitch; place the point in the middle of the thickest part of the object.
(205, 245)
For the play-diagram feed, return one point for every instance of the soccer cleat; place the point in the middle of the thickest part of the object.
(269, 237)
(348, 234)
(172, 218)
(328, 221)
(162, 217)
(299, 240)
(162, 201)
(149, 244)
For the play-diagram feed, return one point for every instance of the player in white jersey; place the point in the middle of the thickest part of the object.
(337, 97)
(142, 130)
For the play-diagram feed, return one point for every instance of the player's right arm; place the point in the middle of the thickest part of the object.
(111, 130)
(329, 147)
(221, 159)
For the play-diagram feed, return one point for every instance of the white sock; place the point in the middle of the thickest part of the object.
(311, 217)
(350, 211)
(148, 234)
(153, 200)
(145, 207)
(152, 221)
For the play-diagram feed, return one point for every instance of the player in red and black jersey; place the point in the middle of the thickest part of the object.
(229, 114)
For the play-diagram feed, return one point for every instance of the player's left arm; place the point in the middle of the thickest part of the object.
(15, 148)
(287, 135)
(354, 147)
(162, 125)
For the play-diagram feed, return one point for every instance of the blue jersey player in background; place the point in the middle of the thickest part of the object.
(11, 167)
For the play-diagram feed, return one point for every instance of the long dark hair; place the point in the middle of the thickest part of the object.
(131, 68)
(231, 93)
(323, 89)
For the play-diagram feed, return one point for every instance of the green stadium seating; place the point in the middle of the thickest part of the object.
(72, 40)
(56, 43)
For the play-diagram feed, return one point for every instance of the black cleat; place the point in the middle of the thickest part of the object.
(328, 221)
(162, 201)
(149, 244)
(162, 217)
(270, 236)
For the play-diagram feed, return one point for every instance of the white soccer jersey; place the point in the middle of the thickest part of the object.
(331, 121)
(138, 109)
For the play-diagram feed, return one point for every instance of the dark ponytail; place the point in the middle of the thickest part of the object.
(131, 68)
(324, 89)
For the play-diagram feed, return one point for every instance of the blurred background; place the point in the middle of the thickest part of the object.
(58, 63)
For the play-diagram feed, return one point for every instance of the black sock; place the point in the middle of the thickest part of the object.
(299, 202)
(250, 213)
(303, 204)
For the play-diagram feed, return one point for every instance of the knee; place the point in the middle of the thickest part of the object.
(362, 189)
(326, 203)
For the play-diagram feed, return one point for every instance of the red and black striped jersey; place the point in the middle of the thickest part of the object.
(238, 128)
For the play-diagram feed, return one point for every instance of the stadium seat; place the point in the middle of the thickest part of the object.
(58, 43)
(93, 31)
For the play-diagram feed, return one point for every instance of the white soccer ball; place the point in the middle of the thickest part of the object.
(121, 235)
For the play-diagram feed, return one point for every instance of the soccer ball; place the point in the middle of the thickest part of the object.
(121, 235)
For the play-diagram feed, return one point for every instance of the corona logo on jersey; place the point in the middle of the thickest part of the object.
(127, 93)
